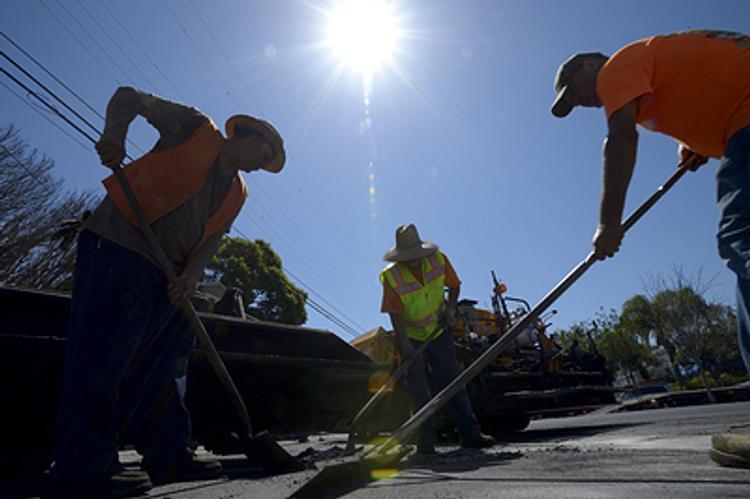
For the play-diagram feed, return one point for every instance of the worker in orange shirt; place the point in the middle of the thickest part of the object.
(414, 297)
(693, 86)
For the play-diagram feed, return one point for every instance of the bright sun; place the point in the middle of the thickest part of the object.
(363, 33)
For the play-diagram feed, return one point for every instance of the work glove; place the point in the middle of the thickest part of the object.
(183, 287)
(448, 316)
(111, 153)
(689, 158)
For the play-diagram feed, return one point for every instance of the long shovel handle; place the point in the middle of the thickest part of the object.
(195, 323)
(489, 355)
(392, 380)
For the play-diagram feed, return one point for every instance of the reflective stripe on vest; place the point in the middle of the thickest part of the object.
(420, 302)
(163, 180)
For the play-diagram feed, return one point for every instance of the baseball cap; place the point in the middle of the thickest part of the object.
(565, 73)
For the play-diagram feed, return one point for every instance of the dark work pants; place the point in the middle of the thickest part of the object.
(441, 357)
(124, 344)
(733, 195)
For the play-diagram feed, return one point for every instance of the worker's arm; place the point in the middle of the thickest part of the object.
(184, 287)
(174, 122)
(620, 148)
(404, 343)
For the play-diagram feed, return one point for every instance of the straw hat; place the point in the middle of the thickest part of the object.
(409, 246)
(241, 125)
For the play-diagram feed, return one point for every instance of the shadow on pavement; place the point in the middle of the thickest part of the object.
(545, 435)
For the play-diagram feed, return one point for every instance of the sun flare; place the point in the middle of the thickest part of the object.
(363, 34)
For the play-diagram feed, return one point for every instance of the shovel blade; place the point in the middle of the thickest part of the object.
(340, 478)
(263, 450)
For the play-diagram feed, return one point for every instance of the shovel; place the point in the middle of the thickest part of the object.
(363, 469)
(392, 380)
(259, 448)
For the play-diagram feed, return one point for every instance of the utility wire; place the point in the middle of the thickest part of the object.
(226, 58)
(291, 274)
(304, 263)
(48, 105)
(40, 84)
(143, 51)
(59, 82)
(345, 243)
(319, 308)
(259, 221)
(43, 115)
(205, 60)
(296, 227)
(114, 78)
(96, 42)
(114, 42)
(60, 100)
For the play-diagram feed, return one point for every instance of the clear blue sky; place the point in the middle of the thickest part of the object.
(461, 141)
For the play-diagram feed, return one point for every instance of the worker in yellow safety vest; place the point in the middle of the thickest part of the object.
(414, 297)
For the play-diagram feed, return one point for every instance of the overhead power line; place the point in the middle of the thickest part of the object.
(200, 54)
(315, 305)
(83, 45)
(43, 115)
(96, 42)
(116, 44)
(143, 51)
(343, 240)
(59, 82)
(53, 94)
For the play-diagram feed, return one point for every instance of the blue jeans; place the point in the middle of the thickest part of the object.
(733, 194)
(441, 357)
(124, 345)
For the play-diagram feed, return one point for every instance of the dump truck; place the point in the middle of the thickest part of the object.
(294, 380)
(533, 377)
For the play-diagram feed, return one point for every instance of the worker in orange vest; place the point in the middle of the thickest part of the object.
(126, 336)
(693, 86)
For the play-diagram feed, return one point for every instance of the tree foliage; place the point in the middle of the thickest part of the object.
(675, 316)
(255, 268)
(33, 205)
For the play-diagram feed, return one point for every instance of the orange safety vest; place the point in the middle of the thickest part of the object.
(421, 301)
(163, 180)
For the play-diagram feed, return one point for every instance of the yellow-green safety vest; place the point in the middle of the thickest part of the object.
(421, 302)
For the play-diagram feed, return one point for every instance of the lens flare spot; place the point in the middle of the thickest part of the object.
(382, 473)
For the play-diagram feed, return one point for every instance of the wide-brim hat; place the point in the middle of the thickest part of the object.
(409, 246)
(242, 124)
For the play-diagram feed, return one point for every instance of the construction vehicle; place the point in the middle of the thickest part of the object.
(293, 380)
(532, 377)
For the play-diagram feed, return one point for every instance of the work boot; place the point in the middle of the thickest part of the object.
(184, 468)
(732, 448)
(123, 483)
(477, 440)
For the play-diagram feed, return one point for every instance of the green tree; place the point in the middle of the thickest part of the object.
(255, 268)
(650, 320)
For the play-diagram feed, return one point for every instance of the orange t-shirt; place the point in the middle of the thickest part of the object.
(392, 303)
(693, 86)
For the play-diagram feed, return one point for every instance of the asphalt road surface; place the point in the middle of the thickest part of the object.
(659, 453)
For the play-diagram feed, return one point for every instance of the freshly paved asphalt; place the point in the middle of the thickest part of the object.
(657, 453)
